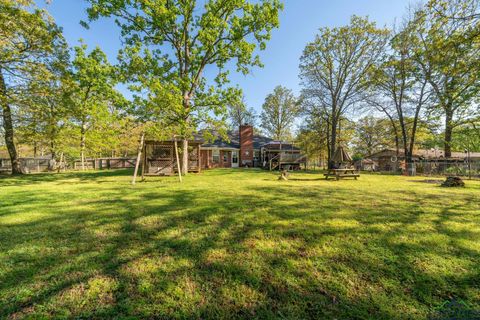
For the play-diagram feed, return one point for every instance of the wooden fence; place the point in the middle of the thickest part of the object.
(105, 163)
(28, 164)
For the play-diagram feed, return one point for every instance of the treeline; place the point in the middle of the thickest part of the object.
(56, 100)
(416, 85)
(368, 88)
(65, 101)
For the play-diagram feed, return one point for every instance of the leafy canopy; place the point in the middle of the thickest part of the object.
(279, 112)
(169, 44)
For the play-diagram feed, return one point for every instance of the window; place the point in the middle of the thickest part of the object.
(216, 156)
(225, 157)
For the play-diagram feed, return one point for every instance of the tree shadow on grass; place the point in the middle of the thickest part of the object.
(39, 178)
(289, 252)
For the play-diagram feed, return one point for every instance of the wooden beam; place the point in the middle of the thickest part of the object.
(139, 156)
(199, 159)
(178, 160)
(144, 160)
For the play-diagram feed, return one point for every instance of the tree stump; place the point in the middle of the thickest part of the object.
(284, 175)
(453, 182)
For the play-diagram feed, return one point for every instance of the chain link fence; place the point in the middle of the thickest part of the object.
(449, 168)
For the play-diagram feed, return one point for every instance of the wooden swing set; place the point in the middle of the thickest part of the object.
(141, 158)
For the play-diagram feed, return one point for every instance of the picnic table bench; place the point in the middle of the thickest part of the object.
(341, 173)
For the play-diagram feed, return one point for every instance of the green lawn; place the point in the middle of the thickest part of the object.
(235, 244)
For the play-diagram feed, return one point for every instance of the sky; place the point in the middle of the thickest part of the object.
(299, 23)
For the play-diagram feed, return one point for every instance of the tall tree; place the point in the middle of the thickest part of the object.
(467, 137)
(371, 135)
(27, 38)
(313, 143)
(279, 112)
(180, 38)
(448, 51)
(334, 69)
(45, 105)
(401, 91)
(94, 80)
(456, 9)
(239, 114)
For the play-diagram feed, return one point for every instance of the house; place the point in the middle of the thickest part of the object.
(366, 165)
(243, 148)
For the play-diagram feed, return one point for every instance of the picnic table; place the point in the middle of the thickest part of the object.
(341, 173)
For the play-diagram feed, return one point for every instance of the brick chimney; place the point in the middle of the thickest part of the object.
(246, 146)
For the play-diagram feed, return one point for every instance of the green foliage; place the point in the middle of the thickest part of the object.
(279, 112)
(467, 137)
(97, 104)
(29, 41)
(29, 37)
(312, 143)
(169, 43)
(45, 106)
(239, 114)
(447, 48)
(334, 70)
(399, 90)
(372, 135)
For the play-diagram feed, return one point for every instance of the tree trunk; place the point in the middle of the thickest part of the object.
(333, 143)
(52, 150)
(448, 133)
(83, 131)
(328, 146)
(8, 127)
(185, 157)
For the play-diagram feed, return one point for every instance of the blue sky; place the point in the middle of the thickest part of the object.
(300, 21)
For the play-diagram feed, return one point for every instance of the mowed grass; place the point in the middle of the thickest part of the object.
(235, 244)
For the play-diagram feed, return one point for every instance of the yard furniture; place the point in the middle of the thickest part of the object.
(341, 163)
(341, 174)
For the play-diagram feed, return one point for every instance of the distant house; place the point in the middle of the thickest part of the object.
(243, 148)
(366, 165)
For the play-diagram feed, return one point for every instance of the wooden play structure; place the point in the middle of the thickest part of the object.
(162, 158)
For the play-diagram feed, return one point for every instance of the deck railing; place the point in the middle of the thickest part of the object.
(292, 158)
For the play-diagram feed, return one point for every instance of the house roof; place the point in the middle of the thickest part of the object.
(233, 141)
(259, 141)
(367, 161)
(280, 145)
